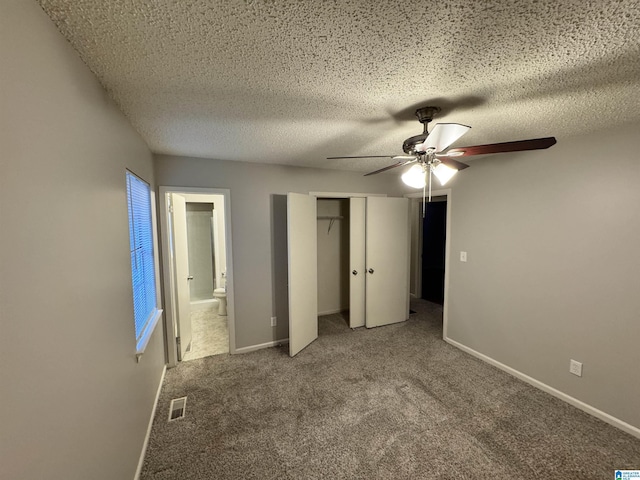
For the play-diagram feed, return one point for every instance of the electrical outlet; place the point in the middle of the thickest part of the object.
(274, 321)
(463, 256)
(575, 368)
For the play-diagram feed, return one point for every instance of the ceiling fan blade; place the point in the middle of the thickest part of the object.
(517, 146)
(443, 135)
(363, 156)
(450, 162)
(399, 164)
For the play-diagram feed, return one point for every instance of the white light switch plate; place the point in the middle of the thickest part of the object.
(463, 256)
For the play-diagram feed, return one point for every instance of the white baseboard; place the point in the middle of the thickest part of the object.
(605, 417)
(253, 348)
(146, 438)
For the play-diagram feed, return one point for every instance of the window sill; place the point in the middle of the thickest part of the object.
(146, 335)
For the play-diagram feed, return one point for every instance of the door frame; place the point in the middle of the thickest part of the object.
(345, 195)
(168, 274)
(181, 291)
(416, 200)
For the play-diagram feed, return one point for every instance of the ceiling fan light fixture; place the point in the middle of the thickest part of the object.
(415, 177)
(443, 173)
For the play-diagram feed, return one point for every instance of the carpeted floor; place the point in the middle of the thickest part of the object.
(210, 334)
(392, 402)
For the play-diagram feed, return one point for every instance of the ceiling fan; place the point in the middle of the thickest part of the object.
(432, 155)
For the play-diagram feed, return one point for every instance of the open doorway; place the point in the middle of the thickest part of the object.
(333, 255)
(196, 248)
(377, 289)
(434, 229)
(333, 252)
(430, 249)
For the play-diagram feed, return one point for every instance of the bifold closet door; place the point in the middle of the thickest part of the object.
(357, 274)
(387, 258)
(303, 270)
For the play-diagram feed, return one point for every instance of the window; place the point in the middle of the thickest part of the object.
(143, 272)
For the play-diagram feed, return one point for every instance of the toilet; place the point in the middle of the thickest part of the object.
(221, 295)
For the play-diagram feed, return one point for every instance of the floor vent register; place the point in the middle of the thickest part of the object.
(177, 408)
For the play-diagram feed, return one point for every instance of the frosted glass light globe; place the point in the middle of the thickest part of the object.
(415, 177)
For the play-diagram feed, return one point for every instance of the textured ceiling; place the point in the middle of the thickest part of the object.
(292, 82)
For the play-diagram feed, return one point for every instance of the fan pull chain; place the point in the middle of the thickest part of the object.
(424, 192)
(430, 169)
(424, 201)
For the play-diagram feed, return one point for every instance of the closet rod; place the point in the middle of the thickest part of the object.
(333, 218)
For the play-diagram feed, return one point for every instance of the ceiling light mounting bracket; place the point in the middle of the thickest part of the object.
(426, 114)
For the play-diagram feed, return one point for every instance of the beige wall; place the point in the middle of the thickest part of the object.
(553, 269)
(75, 404)
(258, 222)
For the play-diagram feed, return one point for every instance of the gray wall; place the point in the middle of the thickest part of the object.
(258, 225)
(75, 404)
(553, 269)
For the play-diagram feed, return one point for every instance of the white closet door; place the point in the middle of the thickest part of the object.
(303, 271)
(357, 275)
(387, 250)
(181, 263)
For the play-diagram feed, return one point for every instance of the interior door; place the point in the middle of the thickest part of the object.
(387, 251)
(181, 263)
(357, 275)
(303, 270)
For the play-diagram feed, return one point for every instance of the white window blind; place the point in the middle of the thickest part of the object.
(143, 272)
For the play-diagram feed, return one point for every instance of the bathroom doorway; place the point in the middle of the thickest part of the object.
(196, 248)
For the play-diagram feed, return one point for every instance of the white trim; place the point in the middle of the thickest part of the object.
(605, 417)
(345, 195)
(170, 323)
(447, 253)
(146, 333)
(260, 346)
(202, 302)
(145, 444)
(156, 252)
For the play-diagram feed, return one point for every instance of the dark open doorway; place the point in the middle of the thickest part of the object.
(434, 228)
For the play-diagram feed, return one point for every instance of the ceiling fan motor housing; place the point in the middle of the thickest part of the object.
(425, 115)
(409, 145)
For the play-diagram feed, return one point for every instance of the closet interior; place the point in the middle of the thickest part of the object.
(333, 255)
